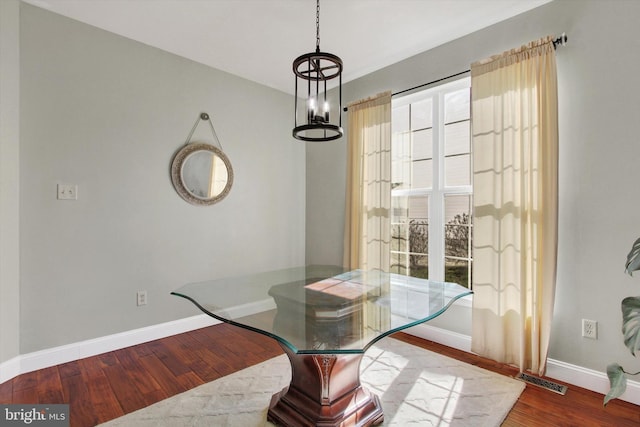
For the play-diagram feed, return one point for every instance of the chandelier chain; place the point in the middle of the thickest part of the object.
(318, 25)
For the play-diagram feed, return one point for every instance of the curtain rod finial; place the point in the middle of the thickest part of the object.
(562, 40)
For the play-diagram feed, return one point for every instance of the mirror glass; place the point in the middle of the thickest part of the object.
(204, 174)
(201, 174)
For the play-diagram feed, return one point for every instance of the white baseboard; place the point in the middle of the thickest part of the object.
(441, 336)
(10, 369)
(79, 350)
(590, 379)
(566, 372)
(556, 369)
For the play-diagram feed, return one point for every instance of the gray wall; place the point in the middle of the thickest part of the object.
(9, 171)
(107, 113)
(599, 162)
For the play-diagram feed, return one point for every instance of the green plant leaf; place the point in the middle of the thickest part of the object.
(633, 258)
(617, 381)
(631, 323)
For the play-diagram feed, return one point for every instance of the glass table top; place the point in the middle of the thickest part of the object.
(323, 309)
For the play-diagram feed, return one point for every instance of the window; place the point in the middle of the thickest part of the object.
(431, 186)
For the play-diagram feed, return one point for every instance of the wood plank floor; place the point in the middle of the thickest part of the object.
(104, 387)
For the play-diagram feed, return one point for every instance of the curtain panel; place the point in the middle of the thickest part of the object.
(367, 218)
(515, 162)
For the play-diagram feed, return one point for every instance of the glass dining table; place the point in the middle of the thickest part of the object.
(325, 318)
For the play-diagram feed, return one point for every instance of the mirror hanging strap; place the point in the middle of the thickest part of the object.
(204, 116)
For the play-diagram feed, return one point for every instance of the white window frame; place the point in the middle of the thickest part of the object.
(439, 191)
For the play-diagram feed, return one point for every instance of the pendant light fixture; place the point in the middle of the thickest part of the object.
(319, 120)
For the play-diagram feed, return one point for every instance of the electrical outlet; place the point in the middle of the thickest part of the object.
(590, 329)
(141, 297)
(67, 192)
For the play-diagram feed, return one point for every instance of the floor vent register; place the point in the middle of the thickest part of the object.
(540, 382)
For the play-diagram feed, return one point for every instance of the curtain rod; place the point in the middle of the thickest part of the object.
(562, 40)
(424, 84)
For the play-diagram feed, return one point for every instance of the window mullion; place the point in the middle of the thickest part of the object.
(436, 203)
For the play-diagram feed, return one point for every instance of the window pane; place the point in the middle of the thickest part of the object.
(457, 106)
(399, 210)
(401, 161)
(400, 145)
(399, 263)
(419, 266)
(418, 207)
(456, 241)
(457, 272)
(457, 209)
(399, 237)
(457, 235)
(422, 147)
(400, 119)
(422, 174)
(457, 139)
(421, 115)
(419, 237)
(457, 170)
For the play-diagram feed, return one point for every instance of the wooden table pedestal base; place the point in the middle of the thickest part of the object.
(325, 391)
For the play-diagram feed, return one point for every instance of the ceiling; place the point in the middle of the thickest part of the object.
(258, 39)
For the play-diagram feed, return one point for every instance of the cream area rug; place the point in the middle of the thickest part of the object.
(416, 387)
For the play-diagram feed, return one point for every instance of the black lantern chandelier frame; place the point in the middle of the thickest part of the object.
(315, 69)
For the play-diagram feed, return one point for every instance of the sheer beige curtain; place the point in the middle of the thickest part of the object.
(367, 220)
(515, 157)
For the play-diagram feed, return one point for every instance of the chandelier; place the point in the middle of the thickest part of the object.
(317, 121)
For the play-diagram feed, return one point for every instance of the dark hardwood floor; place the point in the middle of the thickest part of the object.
(104, 387)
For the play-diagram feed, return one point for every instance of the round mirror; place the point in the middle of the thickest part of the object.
(201, 174)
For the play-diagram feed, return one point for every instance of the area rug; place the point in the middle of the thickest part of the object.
(416, 387)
